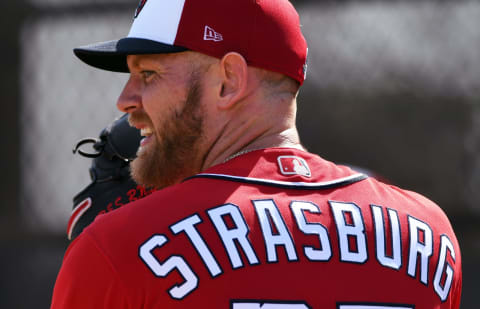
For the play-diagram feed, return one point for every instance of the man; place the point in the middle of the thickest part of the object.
(245, 217)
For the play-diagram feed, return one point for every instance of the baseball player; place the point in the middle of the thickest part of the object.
(244, 216)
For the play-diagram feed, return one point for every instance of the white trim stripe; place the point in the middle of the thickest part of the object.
(77, 212)
(158, 21)
(300, 185)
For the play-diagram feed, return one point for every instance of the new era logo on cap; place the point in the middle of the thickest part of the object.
(293, 165)
(212, 35)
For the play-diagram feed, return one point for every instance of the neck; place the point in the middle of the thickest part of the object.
(279, 144)
(254, 128)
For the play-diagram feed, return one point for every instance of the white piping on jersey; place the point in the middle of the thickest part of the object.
(307, 185)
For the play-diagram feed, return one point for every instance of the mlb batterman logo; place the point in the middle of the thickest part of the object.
(141, 4)
(293, 165)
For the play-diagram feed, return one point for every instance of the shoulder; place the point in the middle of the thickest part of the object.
(125, 229)
(160, 204)
(421, 205)
(87, 279)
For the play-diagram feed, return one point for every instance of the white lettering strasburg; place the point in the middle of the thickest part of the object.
(348, 219)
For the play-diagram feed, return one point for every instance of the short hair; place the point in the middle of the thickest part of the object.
(277, 82)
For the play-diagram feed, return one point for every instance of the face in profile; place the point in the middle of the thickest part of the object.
(168, 156)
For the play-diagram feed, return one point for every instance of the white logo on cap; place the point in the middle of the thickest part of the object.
(212, 35)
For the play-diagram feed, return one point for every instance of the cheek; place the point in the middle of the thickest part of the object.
(162, 96)
(160, 108)
(154, 100)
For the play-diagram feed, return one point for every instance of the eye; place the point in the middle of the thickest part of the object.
(146, 75)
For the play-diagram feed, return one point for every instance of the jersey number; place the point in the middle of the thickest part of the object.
(302, 305)
(242, 304)
(373, 306)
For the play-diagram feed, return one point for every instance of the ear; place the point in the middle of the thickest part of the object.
(234, 75)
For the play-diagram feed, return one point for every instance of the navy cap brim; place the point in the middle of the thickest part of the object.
(112, 55)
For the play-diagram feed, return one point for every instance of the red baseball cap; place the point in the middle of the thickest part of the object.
(265, 32)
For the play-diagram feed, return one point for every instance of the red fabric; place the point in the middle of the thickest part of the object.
(85, 269)
(266, 32)
(104, 267)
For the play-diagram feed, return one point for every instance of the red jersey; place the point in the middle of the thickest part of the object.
(274, 229)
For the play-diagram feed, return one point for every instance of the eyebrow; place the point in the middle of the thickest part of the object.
(137, 60)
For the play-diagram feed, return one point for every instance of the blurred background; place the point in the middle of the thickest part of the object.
(393, 86)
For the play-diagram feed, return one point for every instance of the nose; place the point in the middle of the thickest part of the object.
(130, 98)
